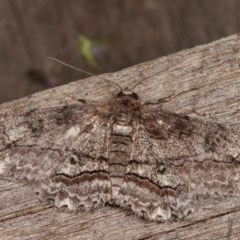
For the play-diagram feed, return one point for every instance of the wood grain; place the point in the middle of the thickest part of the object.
(204, 82)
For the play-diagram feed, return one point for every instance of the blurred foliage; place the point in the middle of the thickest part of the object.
(91, 50)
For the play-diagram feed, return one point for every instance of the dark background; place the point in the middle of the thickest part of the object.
(133, 31)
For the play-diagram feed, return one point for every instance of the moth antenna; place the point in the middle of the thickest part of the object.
(68, 95)
(147, 78)
(86, 72)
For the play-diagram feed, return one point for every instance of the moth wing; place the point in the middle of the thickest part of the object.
(62, 150)
(176, 162)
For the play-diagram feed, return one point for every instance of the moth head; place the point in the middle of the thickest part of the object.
(127, 101)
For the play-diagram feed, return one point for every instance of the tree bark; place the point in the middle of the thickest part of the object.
(203, 82)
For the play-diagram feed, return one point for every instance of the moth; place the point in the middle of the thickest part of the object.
(121, 152)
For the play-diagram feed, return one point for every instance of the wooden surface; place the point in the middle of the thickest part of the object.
(204, 82)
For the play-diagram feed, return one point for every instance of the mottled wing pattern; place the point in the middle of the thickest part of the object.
(62, 150)
(157, 163)
(177, 161)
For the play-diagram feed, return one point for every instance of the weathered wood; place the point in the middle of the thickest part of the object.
(204, 82)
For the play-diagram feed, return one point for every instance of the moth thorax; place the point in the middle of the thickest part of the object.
(124, 118)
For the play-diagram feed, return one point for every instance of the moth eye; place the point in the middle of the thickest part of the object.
(74, 159)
